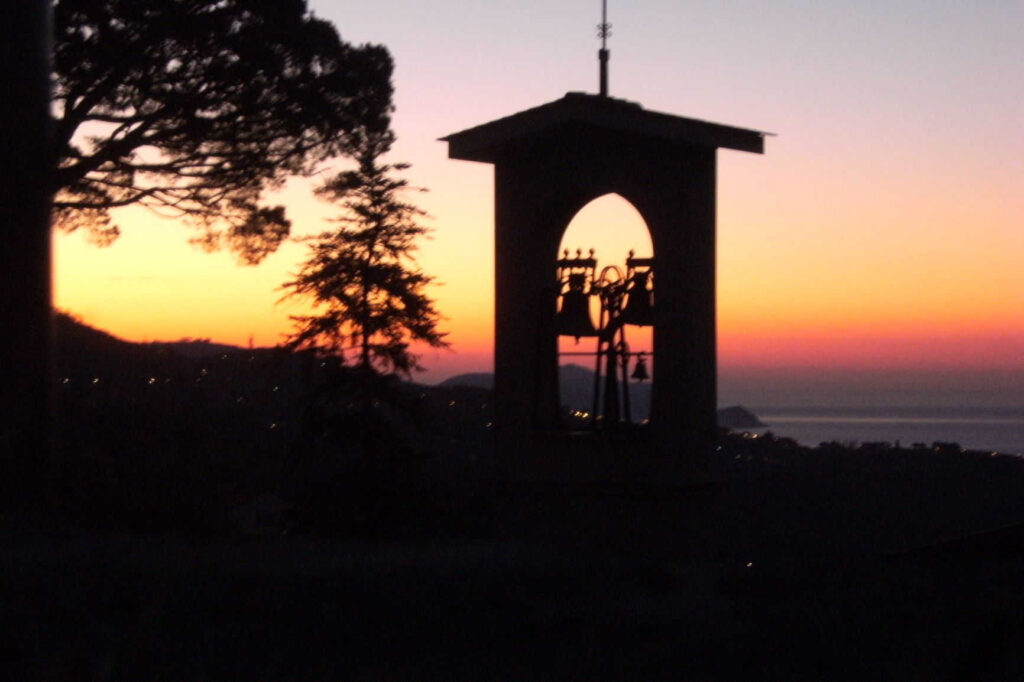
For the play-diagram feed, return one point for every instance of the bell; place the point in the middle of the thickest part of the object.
(639, 309)
(640, 371)
(573, 318)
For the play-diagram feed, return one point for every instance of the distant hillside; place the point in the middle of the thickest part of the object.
(471, 379)
(737, 417)
(84, 353)
(576, 382)
(199, 349)
(82, 349)
(72, 332)
(76, 337)
(577, 389)
(573, 378)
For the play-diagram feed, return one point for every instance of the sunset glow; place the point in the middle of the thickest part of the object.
(883, 227)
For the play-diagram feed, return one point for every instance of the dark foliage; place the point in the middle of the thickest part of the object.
(363, 275)
(195, 107)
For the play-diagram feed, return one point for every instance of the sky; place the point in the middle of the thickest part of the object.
(882, 231)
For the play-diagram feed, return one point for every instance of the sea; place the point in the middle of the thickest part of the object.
(990, 429)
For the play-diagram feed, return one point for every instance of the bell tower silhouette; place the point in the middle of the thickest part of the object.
(550, 161)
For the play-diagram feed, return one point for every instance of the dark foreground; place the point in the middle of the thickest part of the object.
(850, 566)
(226, 515)
(116, 608)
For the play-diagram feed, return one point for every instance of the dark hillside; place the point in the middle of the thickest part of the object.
(199, 437)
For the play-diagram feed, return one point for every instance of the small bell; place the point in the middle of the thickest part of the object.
(640, 371)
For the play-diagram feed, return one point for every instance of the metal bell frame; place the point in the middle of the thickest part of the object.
(624, 299)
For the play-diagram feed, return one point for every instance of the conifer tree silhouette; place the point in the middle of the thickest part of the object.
(362, 276)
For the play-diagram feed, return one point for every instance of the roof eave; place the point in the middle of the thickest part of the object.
(484, 142)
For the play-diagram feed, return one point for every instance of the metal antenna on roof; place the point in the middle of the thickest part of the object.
(604, 31)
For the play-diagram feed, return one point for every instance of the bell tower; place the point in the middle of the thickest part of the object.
(550, 161)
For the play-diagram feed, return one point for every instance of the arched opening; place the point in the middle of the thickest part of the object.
(603, 236)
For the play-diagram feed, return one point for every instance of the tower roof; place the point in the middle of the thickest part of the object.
(487, 141)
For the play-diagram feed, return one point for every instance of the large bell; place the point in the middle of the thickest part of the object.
(573, 317)
(639, 308)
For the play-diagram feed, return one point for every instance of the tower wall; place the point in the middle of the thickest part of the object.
(539, 187)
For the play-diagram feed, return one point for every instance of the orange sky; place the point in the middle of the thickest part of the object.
(884, 226)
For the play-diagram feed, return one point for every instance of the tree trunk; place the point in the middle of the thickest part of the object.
(26, 349)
